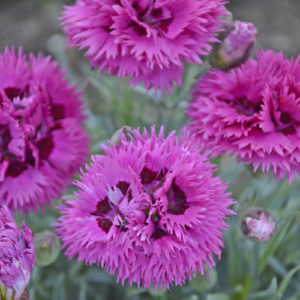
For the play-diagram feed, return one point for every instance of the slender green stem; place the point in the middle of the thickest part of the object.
(255, 262)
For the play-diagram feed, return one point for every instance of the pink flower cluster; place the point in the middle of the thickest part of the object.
(150, 209)
(252, 112)
(148, 40)
(17, 254)
(42, 140)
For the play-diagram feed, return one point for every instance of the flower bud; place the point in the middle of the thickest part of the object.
(47, 247)
(257, 224)
(237, 41)
(16, 256)
(204, 282)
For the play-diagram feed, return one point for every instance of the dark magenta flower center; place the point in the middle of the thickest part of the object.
(41, 139)
(106, 210)
(156, 18)
(12, 92)
(157, 232)
(246, 107)
(177, 203)
(176, 197)
(285, 124)
(177, 200)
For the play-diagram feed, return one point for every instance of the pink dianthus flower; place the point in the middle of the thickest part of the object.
(17, 254)
(252, 112)
(42, 140)
(148, 40)
(150, 209)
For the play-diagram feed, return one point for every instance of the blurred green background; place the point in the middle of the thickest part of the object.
(248, 270)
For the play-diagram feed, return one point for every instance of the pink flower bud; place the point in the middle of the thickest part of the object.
(238, 40)
(16, 255)
(257, 224)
